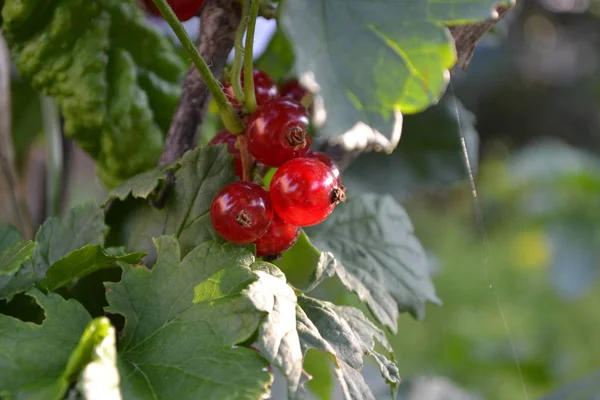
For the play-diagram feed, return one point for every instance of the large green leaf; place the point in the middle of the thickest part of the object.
(57, 238)
(376, 60)
(202, 173)
(82, 262)
(429, 156)
(114, 77)
(346, 334)
(9, 235)
(41, 361)
(178, 341)
(377, 256)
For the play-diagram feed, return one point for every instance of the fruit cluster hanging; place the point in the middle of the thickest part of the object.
(305, 187)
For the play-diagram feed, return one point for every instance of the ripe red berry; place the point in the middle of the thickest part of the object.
(265, 89)
(184, 9)
(317, 155)
(241, 212)
(277, 132)
(293, 89)
(226, 137)
(279, 237)
(304, 192)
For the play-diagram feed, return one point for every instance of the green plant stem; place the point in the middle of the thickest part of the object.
(250, 103)
(228, 114)
(54, 169)
(236, 67)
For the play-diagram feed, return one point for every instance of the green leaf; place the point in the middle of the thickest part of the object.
(203, 172)
(116, 96)
(40, 361)
(278, 58)
(278, 339)
(346, 334)
(99, 379)
(429, 157)
(9, 235)
(374, 61)
(142, 185)
(56, 239)
(181, 344)
(12, 257)
(377, 256)
(83, 262)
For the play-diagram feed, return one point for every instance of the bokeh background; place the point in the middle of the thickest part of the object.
(516, 261)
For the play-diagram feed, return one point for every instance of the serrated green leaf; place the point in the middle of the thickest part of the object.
(429, 157)
(346, 334)
(56, 239)
(377, 256)
(99, 379)
(173, 347)
(375, 60)
(142, 185)
(116, 96)
(202, 173)
(12, 257)
(82, 262)
(278, 339)
(40, 361)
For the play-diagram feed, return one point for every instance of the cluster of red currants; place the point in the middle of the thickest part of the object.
(303, 191)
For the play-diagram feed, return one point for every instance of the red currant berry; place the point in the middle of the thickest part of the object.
(276, 132)
(226, 137)
(279, 237)
(184, 9)
(293, 89)
(265, 89)
(304, 192)
(241, 212)
(317, 155)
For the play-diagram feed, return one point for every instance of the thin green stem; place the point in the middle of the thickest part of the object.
(228, 114)
(54, 170)
(236, 67)
(248, 59)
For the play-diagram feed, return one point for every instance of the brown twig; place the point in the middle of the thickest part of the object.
(465, 38)
(218, 22)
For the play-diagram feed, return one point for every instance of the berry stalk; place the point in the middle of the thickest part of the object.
(236, 67)
(250, 102)
(228, 114)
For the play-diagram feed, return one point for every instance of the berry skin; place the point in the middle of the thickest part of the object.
(317, 155)
(293, 89)
(265, 89)
(304, 192)
(279, 237)
(277, 132)
(226, 137)
(184, 9)
(241, 212)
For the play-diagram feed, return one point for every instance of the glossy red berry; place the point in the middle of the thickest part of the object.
(226, 137)
(293, 89)
(184, 9)
(241, 212)
(304, 192)
(265, 89)
(279, 237)
(277, 132)
(317, 155)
